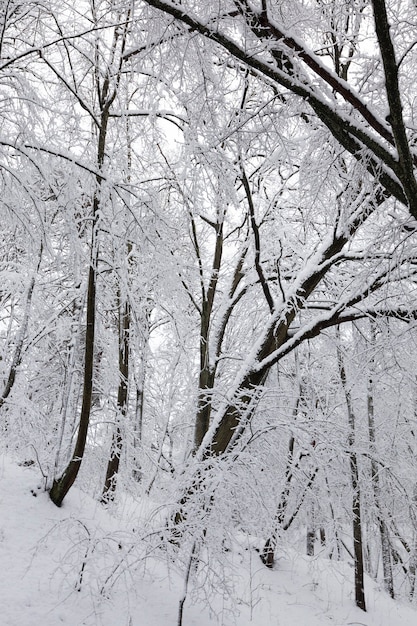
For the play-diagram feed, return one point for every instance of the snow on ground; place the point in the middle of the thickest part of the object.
(43, 581)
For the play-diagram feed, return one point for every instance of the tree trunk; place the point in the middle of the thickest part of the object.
(122, 402)
(268, 552)
(310, 541)
(383, 528)
(137, 430)
(357, 534)
(207, 374)
(311, 533)
(67, 402)
(62, 485)
(354, 476)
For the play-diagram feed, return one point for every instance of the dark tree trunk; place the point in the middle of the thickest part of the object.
(310, 541)
(375, 475)
(268, 552)
(354, 476)
(122, 403)
(137, 431)
(62, 485)
(311, 532)
(357, 535)
(207, 374)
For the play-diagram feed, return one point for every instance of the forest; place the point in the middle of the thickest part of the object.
(208, 274)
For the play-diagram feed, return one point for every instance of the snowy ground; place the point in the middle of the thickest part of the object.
(42, 579)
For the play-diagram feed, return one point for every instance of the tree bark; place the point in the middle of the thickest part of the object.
(207, 372)
(62, 485)
(375, 476)
(356, 494)
(268, 552)
(107, 86)
(122, 402)
(310, 541)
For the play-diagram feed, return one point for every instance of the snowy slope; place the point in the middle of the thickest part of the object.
(42, 579)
